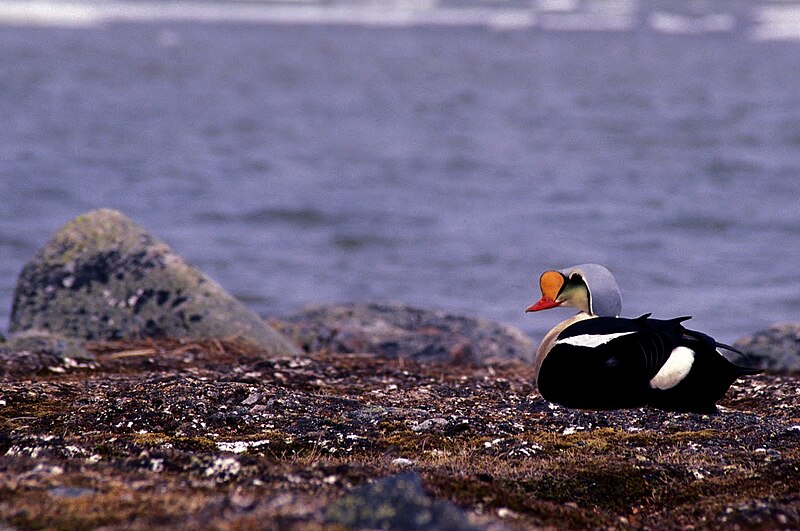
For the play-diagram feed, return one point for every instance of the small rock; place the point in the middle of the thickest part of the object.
(505, 512)
(430, 425)
(396, 502)
(776, 348)
(223, 469)
(241, 501)
(251, 399)
(103, 277)
(402, 462)
(70, 492)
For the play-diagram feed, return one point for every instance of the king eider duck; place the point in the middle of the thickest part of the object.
(598, 360)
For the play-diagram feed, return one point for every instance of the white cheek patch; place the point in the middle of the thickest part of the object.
(675, 369)
(590, 340)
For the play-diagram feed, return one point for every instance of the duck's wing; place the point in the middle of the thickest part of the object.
(636, 349)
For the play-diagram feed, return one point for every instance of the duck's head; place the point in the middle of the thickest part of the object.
(591, 288)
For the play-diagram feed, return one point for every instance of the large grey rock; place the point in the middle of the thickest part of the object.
(104, 277)
(776, 348)
(396, 502)
(399, 331)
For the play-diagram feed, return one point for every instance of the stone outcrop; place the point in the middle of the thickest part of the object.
(103, 277)
(396, 331)
(397, 502)
(776, 348)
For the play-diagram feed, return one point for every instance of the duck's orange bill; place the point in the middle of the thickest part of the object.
(543, 304)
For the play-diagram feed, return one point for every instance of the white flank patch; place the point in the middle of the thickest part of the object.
(675, 369)
(590, 340)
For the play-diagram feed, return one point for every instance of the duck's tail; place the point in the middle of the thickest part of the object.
(738, 370)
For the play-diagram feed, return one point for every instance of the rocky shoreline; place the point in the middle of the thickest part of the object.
(159, 434)
(118, 411)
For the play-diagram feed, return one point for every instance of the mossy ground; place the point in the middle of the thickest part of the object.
(215, 435)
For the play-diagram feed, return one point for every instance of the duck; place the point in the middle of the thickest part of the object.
(598, 360)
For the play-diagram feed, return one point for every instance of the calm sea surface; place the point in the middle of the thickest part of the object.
(437, 154)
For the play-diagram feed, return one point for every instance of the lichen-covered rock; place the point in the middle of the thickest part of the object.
(397, 331)
(776, 348)
(396, 502)
(104, 277)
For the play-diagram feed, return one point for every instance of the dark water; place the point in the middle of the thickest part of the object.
(442, 167)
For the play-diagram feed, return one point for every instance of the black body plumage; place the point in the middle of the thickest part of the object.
(610, 363)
